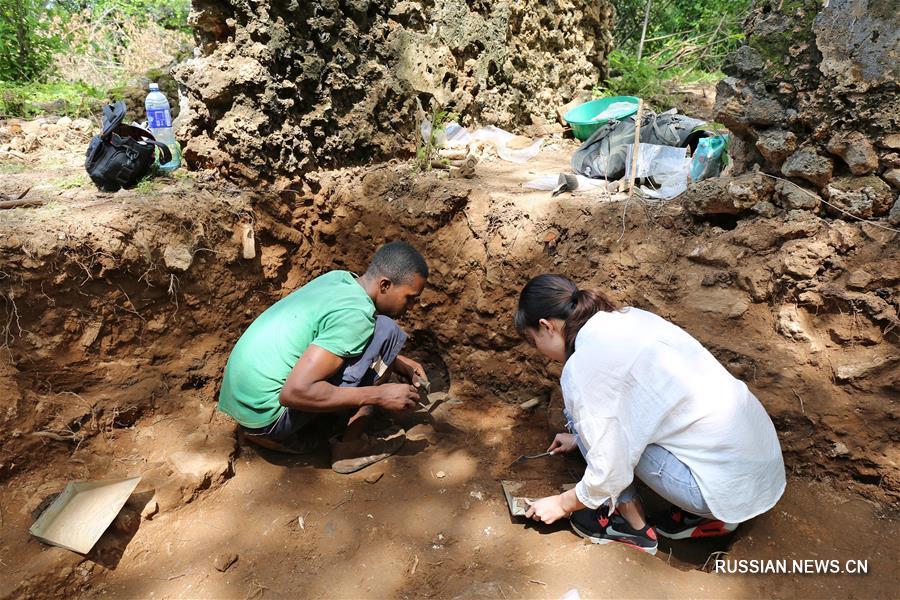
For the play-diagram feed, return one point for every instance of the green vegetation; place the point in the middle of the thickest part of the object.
(28, 99)
(685, 42)
(76, 180)
(11, 168)
(64, 56)
(426, 149)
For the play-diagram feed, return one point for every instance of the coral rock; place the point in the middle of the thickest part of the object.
(856, 150)
(810, 166)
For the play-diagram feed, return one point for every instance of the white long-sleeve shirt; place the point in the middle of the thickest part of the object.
(635, 379)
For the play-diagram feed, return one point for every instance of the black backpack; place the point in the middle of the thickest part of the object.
(122, 154)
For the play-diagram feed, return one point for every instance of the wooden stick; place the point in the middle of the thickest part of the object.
(637, 141)
(18, 203)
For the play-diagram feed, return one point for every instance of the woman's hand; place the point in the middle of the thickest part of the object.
(562, 443)
(546, 510)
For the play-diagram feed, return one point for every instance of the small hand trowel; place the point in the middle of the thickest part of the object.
(424, 388)
(533, 456)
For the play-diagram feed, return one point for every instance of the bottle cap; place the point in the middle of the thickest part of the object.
(154, 87)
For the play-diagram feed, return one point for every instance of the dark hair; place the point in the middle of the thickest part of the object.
(398, 261)
(551, 296)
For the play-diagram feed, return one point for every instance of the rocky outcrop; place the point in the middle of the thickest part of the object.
(813, 98)
(283, 87)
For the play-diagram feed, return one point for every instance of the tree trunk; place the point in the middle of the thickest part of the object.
(644, 30)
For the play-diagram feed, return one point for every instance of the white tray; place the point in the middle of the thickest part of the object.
(82, 512)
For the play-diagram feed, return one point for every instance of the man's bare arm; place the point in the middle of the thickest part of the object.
(307, 387)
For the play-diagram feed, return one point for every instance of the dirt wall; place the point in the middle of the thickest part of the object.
(284, 87)
(121, 312)
(812, 98)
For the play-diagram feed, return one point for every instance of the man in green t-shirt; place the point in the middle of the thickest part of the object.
(329, 347)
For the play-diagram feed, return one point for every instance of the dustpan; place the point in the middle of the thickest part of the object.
(82, 512)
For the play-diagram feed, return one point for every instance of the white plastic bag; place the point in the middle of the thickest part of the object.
(455, 135)
(667, 166)
(551, 182)
(501, 138)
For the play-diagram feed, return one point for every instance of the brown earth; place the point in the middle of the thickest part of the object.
(119, 311)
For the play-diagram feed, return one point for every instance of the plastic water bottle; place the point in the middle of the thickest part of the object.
(159, 120)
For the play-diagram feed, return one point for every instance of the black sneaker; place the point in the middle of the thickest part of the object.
(593, 524)
(678, 524)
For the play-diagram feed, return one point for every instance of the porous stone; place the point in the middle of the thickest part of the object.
(814, 59)
(726, 195)
(858, 40)
(894, 215)
(746, 61)
(177, 257)
(790, 323)
(809, 165)
(765, 111)
(285, 88)
(802, 259)
(794, 197)
(775, 145)
(892, 176)
(82, 124)
(856, 150)
(765, 209)
(864, 197)
(756, 281)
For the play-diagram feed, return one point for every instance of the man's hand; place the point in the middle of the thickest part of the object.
(397, 396)
(546, 510)
(563, 443)
(409, 369)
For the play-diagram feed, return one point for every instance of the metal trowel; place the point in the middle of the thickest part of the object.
(424, 388)
(533, 456)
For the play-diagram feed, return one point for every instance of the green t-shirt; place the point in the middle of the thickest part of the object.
(332, 311)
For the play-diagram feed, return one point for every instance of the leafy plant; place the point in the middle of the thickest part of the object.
(681, 31)
(630, 77)
(26, 48)
(426, 149)
(685, 42)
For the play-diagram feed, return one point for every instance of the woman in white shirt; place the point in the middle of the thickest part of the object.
(644, 399)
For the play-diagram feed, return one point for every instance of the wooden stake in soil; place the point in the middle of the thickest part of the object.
(637, 141)
(248, 242)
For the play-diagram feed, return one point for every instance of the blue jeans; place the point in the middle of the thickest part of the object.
(386, 343)
(663, 473)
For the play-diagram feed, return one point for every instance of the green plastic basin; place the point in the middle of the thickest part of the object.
(586, 118)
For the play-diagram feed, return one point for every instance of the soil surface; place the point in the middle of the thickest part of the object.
(119, 311)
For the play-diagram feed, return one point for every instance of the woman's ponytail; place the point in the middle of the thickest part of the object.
(557, 297)
(586, 303)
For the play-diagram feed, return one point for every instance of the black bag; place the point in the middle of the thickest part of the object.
(122, 154)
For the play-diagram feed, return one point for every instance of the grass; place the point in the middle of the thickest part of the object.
(649, 79)
(146, 185)
(76, 180)
(11, 168)
(29, 99)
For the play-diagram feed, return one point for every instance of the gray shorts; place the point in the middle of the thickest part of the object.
(386, 343)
